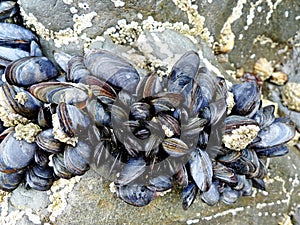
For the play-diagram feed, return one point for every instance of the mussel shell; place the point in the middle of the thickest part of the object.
(29, 108)
(201, 169)
(100, 89)
(62, 59)
(189, 194)
(39, 178)
(16, 154)
(35, 49)
(76, 69)
(41, 157)
(46, 141)
(8, 9)
(10, 181)
(234, 121)
(175, 147)
(112, 68)
(160, 183)
(72, 127)
(13, 32)
(246, 98)
(77, 159)
(30, 70)
(276, 151)
(181, 177)
(225, 174)
(11, 54)
(150, 85)
(276, 134)
(135, 194)
(171, 123)
(229, 196)
(44, 117)
(265, 116)
(133, 169)
(258, 183)
(186, 66)
(139, 111)
(59, 167)
(212, 195)
(208, 83)
(56, 92)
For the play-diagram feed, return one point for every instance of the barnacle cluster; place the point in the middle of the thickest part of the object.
(149, 133)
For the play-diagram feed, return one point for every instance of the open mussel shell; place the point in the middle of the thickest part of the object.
(246, 98)
(135, 194)
(44, 117)
(39, 178)
(46, 141)
(30, 70)
(16, 154)
(112, 68)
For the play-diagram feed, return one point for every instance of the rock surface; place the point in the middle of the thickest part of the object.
(88, 200)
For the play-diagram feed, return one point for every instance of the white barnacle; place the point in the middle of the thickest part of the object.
(168, 131)
(27, 132)
(21, 97)
(9, 118)
(230, 102)
(59, 134)
(239, 138)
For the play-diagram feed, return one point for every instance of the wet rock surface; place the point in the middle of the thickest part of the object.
(89, 200)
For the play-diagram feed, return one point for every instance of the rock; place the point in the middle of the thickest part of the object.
(23, 198)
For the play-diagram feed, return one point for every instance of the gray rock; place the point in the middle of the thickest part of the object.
(23, 198)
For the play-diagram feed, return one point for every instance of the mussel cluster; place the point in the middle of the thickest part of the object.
(149, 134)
